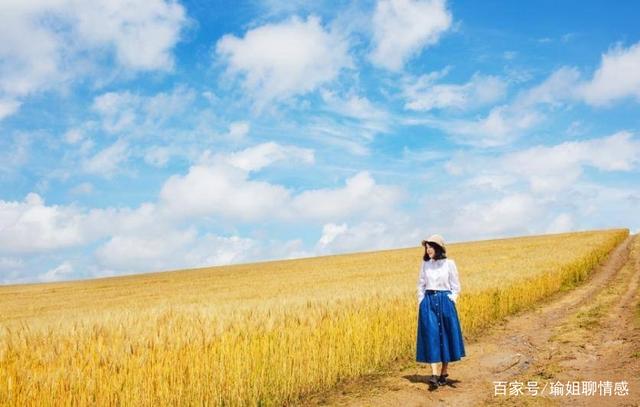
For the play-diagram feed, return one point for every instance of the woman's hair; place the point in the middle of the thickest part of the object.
(440, 253)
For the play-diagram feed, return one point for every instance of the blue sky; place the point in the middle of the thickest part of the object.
(148, 135)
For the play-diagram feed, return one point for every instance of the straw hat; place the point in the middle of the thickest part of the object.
(437, 239)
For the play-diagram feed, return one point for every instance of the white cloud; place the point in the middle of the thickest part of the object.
(548, 169)
(541, 189)
(139, 240)
(367, 118)
(491, 181)
(508, 122)
(61, 272)
(503, 123)
(329, 233)
(221, 186)
(471, 214)
(161, 235)
(559, 87)
(562, 223)
(618, 152)
(145, 252)
(99, 223)
(218, 250)
(141, 251)
(265, 154)
(514, 214)
(108, 161)
(402, 28)
(46, 44)
(142, 33)
(8, 107)
(501, 126)
(222, 190)
(424, 94)
(30, 54)
(138, 114)
(554, 168)
(238, 131)
(368, 235)
(118, 110)
(354, 106)
(617, 77)
(31, 226)
(360, 196)
(341, 136)
(217, 189)
(280, 60)
(164, 105)
(603, 206)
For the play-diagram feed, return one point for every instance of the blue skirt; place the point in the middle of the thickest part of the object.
(439, 333)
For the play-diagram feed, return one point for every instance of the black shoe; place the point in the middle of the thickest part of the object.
(433, 382)
(442, 380)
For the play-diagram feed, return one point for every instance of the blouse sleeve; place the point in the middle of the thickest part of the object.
(454, 280)
(422, 283)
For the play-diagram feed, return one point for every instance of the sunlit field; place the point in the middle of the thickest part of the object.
(263, 333)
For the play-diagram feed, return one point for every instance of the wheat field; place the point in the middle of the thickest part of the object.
(259, 334)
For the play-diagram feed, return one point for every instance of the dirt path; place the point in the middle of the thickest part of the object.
(589, 334)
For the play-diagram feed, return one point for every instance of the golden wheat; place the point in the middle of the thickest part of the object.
(258, 334)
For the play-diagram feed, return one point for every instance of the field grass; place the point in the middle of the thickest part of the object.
(258, 334)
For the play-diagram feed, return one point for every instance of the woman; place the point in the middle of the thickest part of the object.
(439, 334)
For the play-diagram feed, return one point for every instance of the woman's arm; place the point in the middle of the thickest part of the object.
(422, 283)
(454, 281)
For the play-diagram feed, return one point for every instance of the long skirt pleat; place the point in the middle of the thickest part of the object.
(439, 333)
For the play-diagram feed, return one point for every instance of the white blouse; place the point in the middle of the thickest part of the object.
(439, 275)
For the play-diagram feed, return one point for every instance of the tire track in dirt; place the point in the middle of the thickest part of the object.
(532, 346)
